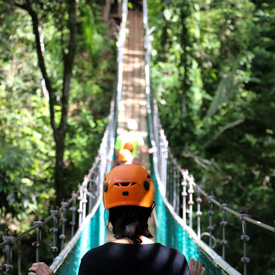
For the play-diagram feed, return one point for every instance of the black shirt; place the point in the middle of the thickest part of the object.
(132, 259)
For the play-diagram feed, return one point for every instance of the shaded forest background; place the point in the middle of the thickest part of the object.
(27, 138)
(213, 67)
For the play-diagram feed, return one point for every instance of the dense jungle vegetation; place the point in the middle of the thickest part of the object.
(55, 92)
(213, 67)
(57, 75)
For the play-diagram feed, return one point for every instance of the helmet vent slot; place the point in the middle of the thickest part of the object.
(148, 176)
(105, 187)
(125, 183)
(146, 185)
(116, 184)
(133, 183)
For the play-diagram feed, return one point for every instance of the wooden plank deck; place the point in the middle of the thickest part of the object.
(133, 99)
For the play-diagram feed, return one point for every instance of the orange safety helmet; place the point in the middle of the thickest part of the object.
(128, 184)
(129, 146)
(124, 155)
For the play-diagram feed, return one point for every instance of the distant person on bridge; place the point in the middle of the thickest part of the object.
(125, 157)
(128, 194)
(132, 139)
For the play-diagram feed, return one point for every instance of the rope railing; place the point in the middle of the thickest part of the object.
(188, 200)
(178, 187)
(87, 190)
(56, 215)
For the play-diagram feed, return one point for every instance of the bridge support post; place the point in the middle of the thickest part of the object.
(174, 188)
(170, 181)
(245, 238)
(8, 267)
(63, 221)
(199, 213)
(80, 209)
(37, 243)
(84, 201)
(191, 202)
(178, 189)
(73, 209)
(91, 183)
(163, 168)
(210, 214)
(223, 223)
(54, 230)
(169, 186)
(184, 193)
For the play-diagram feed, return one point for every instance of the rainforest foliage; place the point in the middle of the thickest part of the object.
(68, 99)
(213, 67)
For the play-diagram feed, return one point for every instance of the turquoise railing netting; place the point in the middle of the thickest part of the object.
(93, 235)
(170, 233)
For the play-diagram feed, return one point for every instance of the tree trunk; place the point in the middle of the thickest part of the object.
(59, 171)
(183, 63)
(59, 131)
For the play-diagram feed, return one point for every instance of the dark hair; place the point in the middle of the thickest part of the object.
(130, 222)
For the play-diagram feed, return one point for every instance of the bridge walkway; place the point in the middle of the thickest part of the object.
(132, 104)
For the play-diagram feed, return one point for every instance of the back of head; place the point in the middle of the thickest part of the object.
(130, 222)
(131, 125)
(128, 192)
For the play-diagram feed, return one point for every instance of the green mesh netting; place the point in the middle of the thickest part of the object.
(92, 236)
(170, 233)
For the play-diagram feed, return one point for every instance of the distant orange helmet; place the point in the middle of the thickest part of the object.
(128, 184)
(124, 155)
(129, 146)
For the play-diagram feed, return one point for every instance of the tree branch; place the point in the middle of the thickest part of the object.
(35, 23)
(223, 129)
(68, 63)
(204, 163)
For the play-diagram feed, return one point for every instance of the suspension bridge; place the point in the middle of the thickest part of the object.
(80, 223)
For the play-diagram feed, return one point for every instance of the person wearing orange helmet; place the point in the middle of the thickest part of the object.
(125, 157)
(132, 139)
(128, 194)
